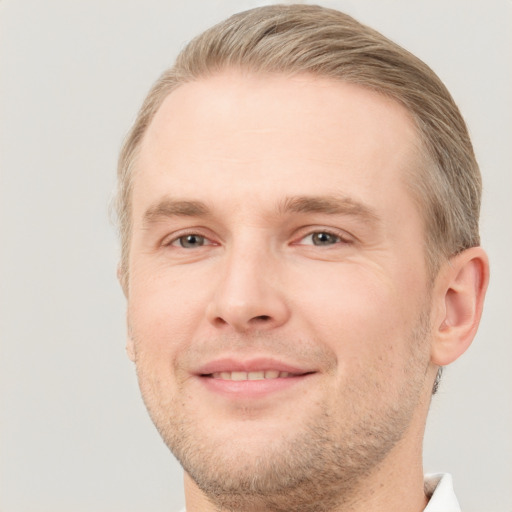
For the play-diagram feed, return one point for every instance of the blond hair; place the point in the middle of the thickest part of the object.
(293, 39)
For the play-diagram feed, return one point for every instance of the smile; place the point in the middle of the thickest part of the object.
(256, 375)
(251, 378)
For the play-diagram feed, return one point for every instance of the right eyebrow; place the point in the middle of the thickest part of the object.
(330, 205)
(168, 207)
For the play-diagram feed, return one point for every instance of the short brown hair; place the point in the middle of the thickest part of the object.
(293, 39)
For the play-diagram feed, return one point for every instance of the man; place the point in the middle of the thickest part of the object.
(298, 204)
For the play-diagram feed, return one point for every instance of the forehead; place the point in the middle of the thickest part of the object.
(271, 134)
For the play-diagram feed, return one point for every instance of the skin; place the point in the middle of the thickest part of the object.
(307, 251)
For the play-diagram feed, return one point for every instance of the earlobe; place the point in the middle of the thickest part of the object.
(460, 290)
(130, 351)
(121, 277)
(130, 345)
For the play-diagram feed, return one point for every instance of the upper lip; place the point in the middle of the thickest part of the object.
(250, 365)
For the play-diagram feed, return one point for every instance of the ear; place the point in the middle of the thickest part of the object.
(122, 277)
(130, 345)
(459, 294)
(130, 349)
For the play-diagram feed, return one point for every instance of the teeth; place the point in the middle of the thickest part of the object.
(260, 375)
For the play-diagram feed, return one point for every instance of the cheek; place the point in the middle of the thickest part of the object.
(161, 311)
(360, 314)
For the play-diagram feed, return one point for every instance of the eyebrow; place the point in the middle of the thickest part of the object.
(168, 207)
(330, 205)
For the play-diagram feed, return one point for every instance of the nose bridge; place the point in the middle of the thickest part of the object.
(247, 294)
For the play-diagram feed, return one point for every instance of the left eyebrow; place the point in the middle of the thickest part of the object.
(168, 207)
(330, 205)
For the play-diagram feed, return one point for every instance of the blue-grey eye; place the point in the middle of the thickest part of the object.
(323, 238)
(191, 241)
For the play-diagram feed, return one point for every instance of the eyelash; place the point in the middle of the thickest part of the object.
(177, 237)
(340, 238)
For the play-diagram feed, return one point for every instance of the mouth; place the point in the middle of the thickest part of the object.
(255, 375)
(255, 378)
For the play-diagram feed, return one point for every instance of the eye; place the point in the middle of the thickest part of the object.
(321, 238)
(191, 241)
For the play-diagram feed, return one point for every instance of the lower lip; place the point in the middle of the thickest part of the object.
(251, 388)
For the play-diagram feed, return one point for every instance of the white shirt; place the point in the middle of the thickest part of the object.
(440, 489)
(442, 497)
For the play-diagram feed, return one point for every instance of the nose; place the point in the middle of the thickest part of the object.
(249, 294)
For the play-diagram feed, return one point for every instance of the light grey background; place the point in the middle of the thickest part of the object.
(74, 433)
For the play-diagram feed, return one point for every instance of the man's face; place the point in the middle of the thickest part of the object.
(278, 293)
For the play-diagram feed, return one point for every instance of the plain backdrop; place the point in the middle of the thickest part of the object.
(74, 434)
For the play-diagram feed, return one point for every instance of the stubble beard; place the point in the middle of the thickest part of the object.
(320, 469)
(314, 471)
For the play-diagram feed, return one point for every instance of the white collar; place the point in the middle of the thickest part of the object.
(440, 489)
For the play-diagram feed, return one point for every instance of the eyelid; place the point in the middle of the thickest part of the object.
(344, 236)
(170, 239)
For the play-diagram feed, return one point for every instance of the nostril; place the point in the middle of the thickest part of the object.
(219, 321)
(262, 318)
